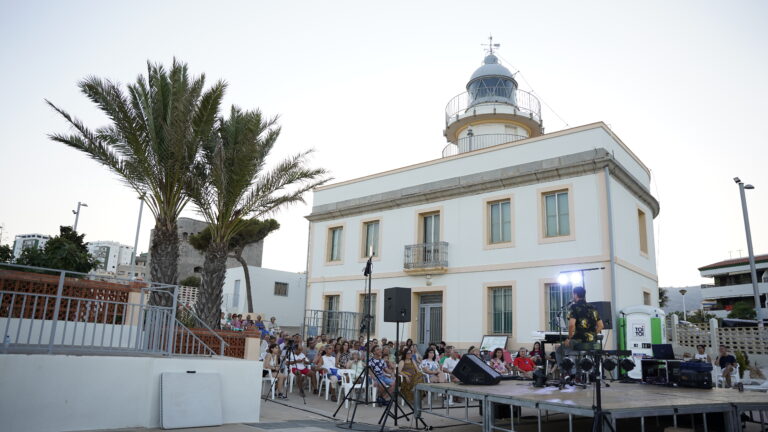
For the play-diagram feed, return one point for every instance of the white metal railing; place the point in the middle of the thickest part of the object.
(426, 255)
(477, 142)
(523, 101)
(35, 322)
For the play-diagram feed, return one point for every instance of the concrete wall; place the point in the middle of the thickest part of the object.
(42, 393)
(288, 310)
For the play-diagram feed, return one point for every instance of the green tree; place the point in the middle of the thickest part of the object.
(254, 231)
(153, 138)
(743, 310)
(231, 183)
(6, 254)
(66, 251)
(663, 297)
(190, 281)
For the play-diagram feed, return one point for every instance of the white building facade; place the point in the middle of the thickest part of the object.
(482, 234)
(110, 254)
(732, 283)
(25, 241)
(275, 293)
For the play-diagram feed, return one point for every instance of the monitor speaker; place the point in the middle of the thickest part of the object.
(604, 309)
(471, 369)
(397, 305)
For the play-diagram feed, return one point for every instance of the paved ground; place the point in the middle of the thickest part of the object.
(293, 415)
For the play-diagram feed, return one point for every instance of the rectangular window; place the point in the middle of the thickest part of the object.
(281, 289)
(643, 231)
(646, 298)
(363, 310)
(556, 214)
(334, 244)
(557, 297)
(331, 325)
(236, 295)
(500, 221)
(371, 243)
(431, 227)
(501, 310)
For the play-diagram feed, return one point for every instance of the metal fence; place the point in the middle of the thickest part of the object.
(35, 320)
(334, 324)
(426, 255)
(478, 142)
(524, 102)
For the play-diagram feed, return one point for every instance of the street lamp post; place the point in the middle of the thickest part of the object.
(753, 271)
(682, 292)
(136, 240)
(77, 213)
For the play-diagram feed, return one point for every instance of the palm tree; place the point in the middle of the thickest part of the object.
(253, 231)
(155, 133)
(231, 182)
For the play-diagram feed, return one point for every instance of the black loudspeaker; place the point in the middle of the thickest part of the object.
(604, 309)
(471, 369)
(397, 305)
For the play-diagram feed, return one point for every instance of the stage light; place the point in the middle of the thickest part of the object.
(627, 364)
(586, 364)
(576, 278)
(563, 279)
(609, 364)
(566, 365)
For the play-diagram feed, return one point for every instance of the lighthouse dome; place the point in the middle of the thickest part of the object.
(492, 82)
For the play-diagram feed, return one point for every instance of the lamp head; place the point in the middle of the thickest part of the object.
(84, 204)
(748, 186)
(737, 180)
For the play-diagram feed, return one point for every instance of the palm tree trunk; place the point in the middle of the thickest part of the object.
(164, 252)
(209, 297)
(238, 255)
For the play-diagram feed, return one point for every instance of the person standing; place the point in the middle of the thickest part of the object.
(584, 324)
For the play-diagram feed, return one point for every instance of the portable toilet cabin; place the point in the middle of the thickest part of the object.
(641, 327)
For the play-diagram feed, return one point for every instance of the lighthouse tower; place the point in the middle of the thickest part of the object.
(492, 111)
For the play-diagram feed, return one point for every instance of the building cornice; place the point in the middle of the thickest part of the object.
(553, 169)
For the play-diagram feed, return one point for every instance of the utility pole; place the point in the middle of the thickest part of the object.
(752, 269)
(77, 213)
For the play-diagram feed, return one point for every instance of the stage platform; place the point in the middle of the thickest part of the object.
(620, 400)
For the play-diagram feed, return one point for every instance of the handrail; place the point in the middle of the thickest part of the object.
(425, 255)
(192, 313)
(91, 276)
(523, 101)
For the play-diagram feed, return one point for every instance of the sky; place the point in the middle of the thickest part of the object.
(365, 85)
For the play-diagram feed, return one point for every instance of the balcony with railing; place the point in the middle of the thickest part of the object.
(477, 142)
(424, 258)
(520, 102)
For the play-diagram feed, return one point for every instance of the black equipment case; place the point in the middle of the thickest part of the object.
(695, 374)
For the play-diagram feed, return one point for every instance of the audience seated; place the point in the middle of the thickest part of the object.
(431, 368)
(498, 363)
(524, 364)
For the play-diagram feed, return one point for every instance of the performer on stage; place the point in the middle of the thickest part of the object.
(584, 324)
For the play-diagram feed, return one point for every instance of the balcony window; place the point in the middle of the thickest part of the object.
(371, 238)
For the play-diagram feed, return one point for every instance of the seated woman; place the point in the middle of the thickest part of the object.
(536, 353)
(431, 368)
(409, 369)
(498, 364)
(327, 368)
(272, 366)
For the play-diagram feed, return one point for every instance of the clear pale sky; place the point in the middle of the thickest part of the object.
(682, 83)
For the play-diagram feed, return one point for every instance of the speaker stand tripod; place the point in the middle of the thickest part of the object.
(393, 406)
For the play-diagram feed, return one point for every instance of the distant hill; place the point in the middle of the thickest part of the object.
(693, 298)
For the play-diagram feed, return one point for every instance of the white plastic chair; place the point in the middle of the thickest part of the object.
(327, 382)
(721, 380)
(292, 378)
(348, 385)
(271, 380)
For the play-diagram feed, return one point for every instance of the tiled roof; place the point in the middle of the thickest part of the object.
(734, 262)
